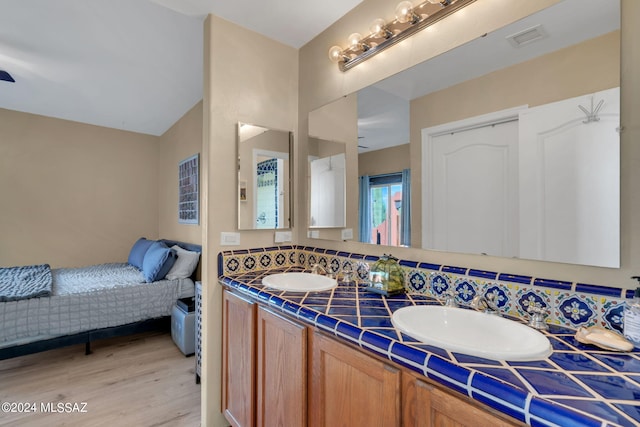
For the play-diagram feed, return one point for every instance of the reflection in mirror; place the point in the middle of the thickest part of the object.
(263, 178)
(507, 155)
(327, 204)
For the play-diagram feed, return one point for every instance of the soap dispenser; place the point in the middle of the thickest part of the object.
(632, 317)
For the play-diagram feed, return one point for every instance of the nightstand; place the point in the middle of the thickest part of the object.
(183, 321)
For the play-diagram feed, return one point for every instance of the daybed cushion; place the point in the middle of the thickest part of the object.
(157, 261)
(185, 264)
(138, 250)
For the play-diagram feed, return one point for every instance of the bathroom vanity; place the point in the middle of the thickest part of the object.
(278, 371)
(334, 358)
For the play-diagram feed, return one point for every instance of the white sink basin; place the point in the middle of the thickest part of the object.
(473, 333)
(299, 282)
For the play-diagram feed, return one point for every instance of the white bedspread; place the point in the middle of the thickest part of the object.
(90, 298)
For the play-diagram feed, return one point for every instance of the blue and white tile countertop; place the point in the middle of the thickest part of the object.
(578, 385)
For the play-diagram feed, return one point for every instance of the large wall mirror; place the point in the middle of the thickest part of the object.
(507, 145)
(264, 177)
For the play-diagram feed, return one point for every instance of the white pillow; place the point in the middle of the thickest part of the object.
(185, 264)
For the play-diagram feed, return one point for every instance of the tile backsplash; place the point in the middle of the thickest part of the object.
(567, 304)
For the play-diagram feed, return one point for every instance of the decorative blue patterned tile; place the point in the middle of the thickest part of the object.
(500, 297)
(265, 261)
(465, 290)
(532, 364)
(526, 298)
(417, 282)
(311, 260)
(249, 262)
(362, 269)
(612, 313)
(232, 265)
(280, 259)
(439, 283)
(334, 265)
(553, 383)
(576, 310)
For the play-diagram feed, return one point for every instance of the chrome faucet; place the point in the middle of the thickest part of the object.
(537, 320)
(318, 269)
(450, 298)
(486, 304)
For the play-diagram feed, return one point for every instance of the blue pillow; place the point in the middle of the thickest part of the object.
(157, 262)
(136, 255)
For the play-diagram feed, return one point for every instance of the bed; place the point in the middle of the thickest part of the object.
(81, 305)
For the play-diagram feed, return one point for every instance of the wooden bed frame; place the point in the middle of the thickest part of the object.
(86, 337)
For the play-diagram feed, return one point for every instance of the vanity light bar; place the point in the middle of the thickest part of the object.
(409, 20)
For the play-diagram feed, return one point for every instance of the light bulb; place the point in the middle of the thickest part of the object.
(378, 28)
(335, 54)
(404, 11)
(354, 40)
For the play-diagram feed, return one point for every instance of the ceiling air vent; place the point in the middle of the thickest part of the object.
(527, 36)
(6, 76)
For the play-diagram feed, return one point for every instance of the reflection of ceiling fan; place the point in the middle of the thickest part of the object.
(6, 76)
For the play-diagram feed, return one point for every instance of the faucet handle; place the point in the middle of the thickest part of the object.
(450, 298)
(538, 315)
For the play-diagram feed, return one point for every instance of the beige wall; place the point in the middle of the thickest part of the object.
(322, 82)
(250, 79)
(182, 140)
(73, 194)
(387, 160)
(549, 78)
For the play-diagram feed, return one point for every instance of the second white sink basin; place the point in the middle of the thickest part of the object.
(299, 282)
(473, 333)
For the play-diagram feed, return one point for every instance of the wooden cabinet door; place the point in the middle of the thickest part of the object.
(238, 360)
(282, 371)
(424, 405)
(350, 388)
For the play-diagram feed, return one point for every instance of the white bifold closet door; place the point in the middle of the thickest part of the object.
(472, 190)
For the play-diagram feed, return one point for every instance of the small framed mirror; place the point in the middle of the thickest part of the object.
(264, 177)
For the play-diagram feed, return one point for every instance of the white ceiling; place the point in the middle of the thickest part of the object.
(130, 64)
